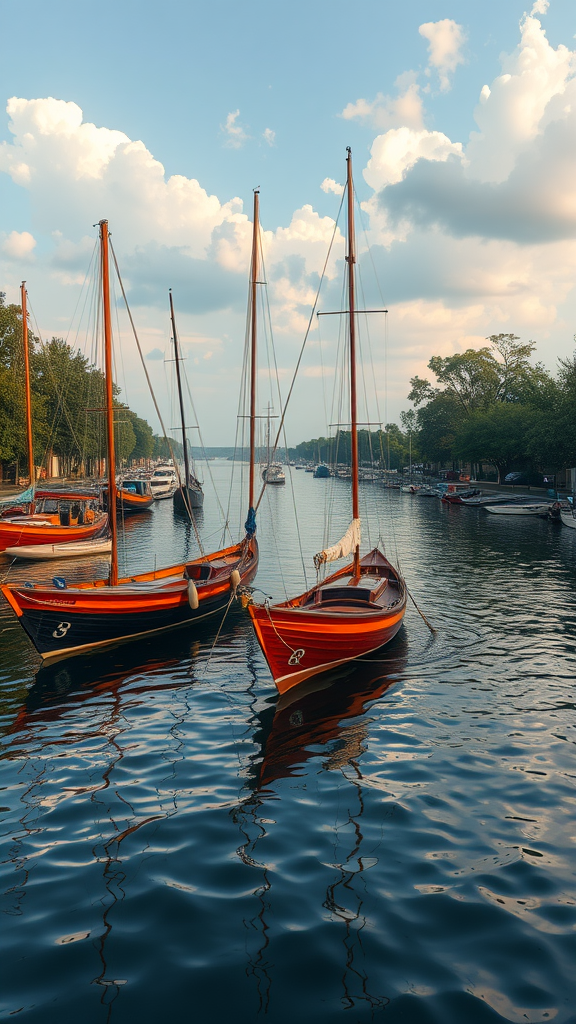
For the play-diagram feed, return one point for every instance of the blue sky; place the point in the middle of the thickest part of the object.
(464, 242)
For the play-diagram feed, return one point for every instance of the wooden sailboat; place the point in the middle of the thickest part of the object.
(49, 517)
(189, 495)
(358, 608)
(63, 620)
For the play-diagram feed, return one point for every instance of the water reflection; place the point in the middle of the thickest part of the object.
(318, 713)
(325, 717)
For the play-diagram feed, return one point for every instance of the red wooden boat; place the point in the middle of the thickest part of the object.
(355, 610)
(62, 620)
(73, 519)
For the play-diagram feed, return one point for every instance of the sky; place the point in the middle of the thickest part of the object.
(164, 118)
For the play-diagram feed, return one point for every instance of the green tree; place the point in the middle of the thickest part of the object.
(497, 435)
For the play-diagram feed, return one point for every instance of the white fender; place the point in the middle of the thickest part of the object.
(192, 595)
(234, 580)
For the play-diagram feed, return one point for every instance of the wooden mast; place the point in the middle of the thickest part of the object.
(351, 260)
(253, 283)
(31, 468)
(113, 579)
(186, 495)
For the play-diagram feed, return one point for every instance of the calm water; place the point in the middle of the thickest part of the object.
(395, 847)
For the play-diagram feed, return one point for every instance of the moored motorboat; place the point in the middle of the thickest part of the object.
(273, 474)
(568, 518)
(532, 508)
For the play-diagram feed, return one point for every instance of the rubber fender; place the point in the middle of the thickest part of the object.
(192, 595)
(234, 579)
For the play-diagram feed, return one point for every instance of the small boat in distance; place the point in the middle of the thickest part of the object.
(531, 508)
(273, 474)
(321, 471)
(355, 610)
(188, 495)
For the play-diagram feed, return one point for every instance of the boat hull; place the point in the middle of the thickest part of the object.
(533, 509)
(568, 519)
(186, 498)
(26, 532)
(300, 641)
(72, 549)
(61, 622)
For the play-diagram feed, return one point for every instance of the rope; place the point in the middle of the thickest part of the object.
(308, 329)
(421, 613)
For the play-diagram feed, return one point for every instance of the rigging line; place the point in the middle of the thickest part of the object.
(273, 347)
(308, 329)
(218, 502)
(220, 628)
(86, 277)
(61, 395)
(149, 382)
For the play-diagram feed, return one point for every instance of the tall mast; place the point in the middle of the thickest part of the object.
(351, 260)
(31, 469)
(109, 400)
(253, 283)
(182, 420)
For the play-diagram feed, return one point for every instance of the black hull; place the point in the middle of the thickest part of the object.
(186, 498)
(82, 631)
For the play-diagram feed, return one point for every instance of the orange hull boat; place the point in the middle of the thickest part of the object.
(336, 621)
(46, 529)
(62, 620)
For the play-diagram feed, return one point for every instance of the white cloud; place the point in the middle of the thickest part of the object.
(235, 134)
(540, 7)
(515, 180)
(19, 245)
(536, 88)
(390, 111)
(269, 136)
(329, 185)
(400, 149)
(445, 40)
(77, 173)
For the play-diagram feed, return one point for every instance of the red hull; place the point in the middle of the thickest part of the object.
(329, 625)
(27, 531)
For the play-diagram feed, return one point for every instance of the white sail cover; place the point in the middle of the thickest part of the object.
(345, 546)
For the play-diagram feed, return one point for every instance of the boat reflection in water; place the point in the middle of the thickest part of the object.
(321, 718)
(318, 712)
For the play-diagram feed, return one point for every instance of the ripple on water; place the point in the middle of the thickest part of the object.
(396, 847)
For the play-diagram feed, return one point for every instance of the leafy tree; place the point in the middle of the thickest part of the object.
(496, 435)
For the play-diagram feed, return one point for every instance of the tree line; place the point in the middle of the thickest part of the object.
(490, 406)
(68, 397)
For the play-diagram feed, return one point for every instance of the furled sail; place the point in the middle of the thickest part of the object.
(345, 546)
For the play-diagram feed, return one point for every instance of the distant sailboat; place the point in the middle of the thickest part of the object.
(358, 608)
(189, 495)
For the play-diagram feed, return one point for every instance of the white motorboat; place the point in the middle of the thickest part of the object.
(273, 474)
(568, 518)
(69, 549)
(533, 508)
(163, 482)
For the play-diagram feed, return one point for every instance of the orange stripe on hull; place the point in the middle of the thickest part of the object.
(300, 645)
